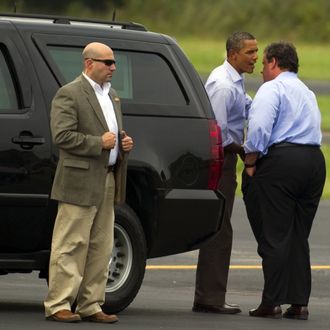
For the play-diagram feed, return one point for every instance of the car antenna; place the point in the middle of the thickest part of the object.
(114, 15)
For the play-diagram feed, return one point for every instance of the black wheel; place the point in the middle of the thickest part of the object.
(128, 261)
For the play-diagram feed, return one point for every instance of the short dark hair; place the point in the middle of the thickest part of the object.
(285, 53)
(234, 41)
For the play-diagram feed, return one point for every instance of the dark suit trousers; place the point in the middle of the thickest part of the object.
(214, 256)
(281, 201)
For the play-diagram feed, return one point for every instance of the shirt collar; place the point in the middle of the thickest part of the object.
(235, 76)
(287, 74)
(97, 88)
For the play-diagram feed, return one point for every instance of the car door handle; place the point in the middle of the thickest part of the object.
(27, 140)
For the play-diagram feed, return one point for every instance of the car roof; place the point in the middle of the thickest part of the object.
(47, 23)
(54, 19)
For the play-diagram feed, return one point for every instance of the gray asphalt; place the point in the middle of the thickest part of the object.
(165, 299)
(319, 87)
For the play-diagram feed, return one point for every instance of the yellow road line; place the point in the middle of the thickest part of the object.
(184, 267)
(168, 267)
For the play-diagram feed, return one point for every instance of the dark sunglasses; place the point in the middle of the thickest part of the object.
(106, 62)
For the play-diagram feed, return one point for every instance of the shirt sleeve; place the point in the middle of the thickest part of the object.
(262, 118)
(248, 100)
(222, 101)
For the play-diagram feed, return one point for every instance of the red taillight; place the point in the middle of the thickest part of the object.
(216, 160)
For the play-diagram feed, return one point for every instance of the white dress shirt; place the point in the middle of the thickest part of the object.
(106, 105)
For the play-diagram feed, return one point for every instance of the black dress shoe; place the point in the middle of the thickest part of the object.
(274, 312)
(297, 312)
(221, 309)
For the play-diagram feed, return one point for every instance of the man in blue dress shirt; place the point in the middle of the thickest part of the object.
(283, 181)
(230, 103)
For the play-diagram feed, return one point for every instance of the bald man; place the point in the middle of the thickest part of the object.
(86, 125)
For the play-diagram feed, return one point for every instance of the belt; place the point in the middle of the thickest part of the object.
(289, 144)
(111, 168)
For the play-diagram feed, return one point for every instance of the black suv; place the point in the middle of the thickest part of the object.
(172, 205)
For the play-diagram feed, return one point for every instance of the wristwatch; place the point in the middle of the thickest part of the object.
(249, 165)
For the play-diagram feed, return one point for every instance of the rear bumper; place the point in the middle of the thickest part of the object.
(186, 219)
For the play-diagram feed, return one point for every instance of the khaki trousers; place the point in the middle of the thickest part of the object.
(214, 256)
(81, 250)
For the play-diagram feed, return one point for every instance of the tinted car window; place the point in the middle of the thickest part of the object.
(8, 96)
(68, 60)
(153, 80)
(142, 78)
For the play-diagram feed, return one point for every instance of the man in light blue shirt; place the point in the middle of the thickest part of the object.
(284, 109)
(225, 88)
(230, 103)
(283, 181)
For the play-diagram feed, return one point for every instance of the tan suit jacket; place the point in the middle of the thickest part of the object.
(77, 124)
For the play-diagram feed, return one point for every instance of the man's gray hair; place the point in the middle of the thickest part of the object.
(234, 41)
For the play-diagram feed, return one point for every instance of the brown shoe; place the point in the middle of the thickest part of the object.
(64, 315)
(101, 317)
(221, 309)
(297, 312)
(274, 312)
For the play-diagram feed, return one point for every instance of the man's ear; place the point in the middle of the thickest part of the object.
(231, 53)
(273, 62)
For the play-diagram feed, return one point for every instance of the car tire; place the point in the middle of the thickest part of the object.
(128, 261)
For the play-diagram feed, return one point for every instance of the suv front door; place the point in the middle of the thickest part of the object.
(25, 151)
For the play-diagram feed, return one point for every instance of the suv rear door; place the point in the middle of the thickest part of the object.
(163, 114)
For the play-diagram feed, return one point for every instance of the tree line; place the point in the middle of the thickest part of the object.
(303, 20)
